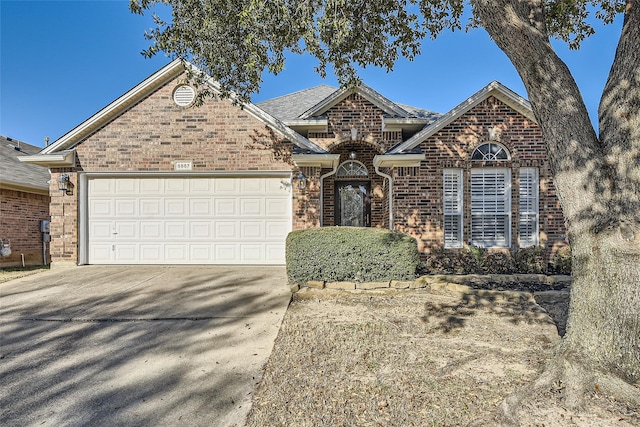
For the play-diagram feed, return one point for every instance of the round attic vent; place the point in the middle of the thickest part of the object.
(184, 95)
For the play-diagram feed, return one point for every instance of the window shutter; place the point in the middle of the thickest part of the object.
(490, 207)
(452, 201)
(529, 200)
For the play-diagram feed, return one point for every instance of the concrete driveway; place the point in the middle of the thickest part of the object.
(137, 346)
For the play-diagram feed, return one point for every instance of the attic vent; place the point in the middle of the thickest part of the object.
(184, 95)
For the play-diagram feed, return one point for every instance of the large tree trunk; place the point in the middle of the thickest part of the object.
(598, 183)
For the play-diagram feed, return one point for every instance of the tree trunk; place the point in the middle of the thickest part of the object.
(598, 184)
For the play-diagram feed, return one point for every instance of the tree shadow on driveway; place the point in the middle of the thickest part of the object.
(137, 346)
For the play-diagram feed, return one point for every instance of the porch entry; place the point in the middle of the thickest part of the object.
(353, 203)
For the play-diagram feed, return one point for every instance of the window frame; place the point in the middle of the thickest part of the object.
(483, 200)
(361, 172)
(492, 157)
(454, 197)
(529, 207)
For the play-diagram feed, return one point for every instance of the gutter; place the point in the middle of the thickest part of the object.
(392, 161)
(319, 161)
(390, 194)
(60, 159)
(322, 177)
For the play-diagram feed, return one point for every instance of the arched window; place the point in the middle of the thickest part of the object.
(351, 169)
(491, 152)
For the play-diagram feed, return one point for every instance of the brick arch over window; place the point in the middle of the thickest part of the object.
(356, 145)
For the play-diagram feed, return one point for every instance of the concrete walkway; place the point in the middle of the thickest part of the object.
(137, 346)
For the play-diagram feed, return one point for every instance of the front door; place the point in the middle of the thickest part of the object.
(353, 203)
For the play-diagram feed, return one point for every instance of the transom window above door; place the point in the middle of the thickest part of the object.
(490, 152)
(350, 169)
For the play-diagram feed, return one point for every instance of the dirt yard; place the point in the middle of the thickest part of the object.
(414, 358)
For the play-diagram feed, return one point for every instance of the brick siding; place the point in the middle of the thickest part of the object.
(418, 195)
(219, 136)
(155, 133)
(20, 216)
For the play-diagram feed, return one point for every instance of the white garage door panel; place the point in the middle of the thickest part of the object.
(188, 220)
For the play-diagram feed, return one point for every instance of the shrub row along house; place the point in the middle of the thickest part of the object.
(154, 179)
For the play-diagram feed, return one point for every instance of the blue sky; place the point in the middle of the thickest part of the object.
(62, 61)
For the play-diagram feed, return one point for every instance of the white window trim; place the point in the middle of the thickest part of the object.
(452, 206)
(490, 157)
(529, 198)
(505, 200)
(352, 169)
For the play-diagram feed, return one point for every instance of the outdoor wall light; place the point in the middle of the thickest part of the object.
(64, 183)
(352, 155)
(302, 181)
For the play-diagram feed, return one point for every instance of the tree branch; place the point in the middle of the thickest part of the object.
(576, 159)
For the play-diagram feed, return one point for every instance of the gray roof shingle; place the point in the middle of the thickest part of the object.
(14, 172)
(291, 106)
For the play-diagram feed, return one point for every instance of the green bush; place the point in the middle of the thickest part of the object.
(355, 254)
(472, 260)
(530, 260)
(497, 263)
(561, 262)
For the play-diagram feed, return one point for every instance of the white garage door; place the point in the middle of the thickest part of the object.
(188, 220)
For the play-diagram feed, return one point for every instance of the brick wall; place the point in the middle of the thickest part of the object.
(418, 191)
(155, 133)
(218, 136)
(64, 218)
(357, 112)
(20, 216)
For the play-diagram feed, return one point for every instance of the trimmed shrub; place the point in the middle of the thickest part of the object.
(469, 261)
(453, 261)
(354, 254)
(561, 262)
(497, 263)
(440, 261)
(472, 260)
(530, 260)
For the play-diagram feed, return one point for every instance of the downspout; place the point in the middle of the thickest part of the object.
(322, 177)
(384, 175)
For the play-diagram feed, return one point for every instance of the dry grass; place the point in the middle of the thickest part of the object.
(409, 358)
(11, 273)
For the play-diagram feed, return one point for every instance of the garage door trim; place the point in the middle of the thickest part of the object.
(83, 225)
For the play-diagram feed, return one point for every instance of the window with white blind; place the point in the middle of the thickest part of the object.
(452, 200)
(490, 207)
(528, 207)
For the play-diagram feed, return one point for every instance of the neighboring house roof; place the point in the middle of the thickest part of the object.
(19, 176)
(495, 89)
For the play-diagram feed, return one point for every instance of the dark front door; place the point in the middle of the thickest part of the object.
(353, 203)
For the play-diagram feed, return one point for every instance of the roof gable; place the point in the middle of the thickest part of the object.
(144, 89)
(390, 108)
(495, 89)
